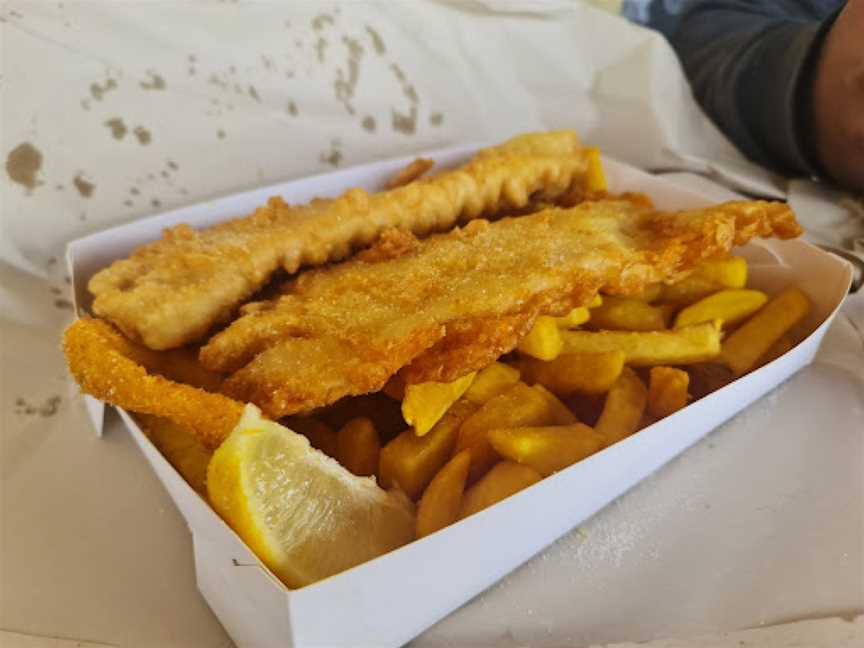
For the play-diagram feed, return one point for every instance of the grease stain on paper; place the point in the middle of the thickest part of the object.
(322, 20)
(47, 409)
(23, 164)
(377, 42)
(333, 157)
(405, 123)
(118, 128)
(99, 91)
(156, 82)
(346, 79)
(85, 187)
(144, 136)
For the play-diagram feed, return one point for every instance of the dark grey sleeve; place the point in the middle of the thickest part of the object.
(750, 65)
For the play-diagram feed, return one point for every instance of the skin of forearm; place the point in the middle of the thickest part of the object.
(838, 99)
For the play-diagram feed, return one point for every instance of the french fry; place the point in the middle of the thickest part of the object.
(491, 381)
(505, 479)
(743, 348)
(519, 406)
(686, 345)
(546, 449)
(574, 318)
(543, 341)
(708, 377)
(181, 448)
(729, 273)
(595, 179)
(578, 315)
(570, 373)
(667, 391)
(410, 462)
(624, 314)
(320, 435)
(358, 447)
(623, 409)
(395, 388)
(425, 403)
(729, 306)
(707, 278)
(384, 412)
(781, 346)
(558, 411)
(650, 293)
(442, 499)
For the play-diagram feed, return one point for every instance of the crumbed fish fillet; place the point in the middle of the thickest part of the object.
(172, 291)
(456, 301)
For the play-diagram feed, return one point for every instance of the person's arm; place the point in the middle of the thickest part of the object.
(838, 99)
(759, 71)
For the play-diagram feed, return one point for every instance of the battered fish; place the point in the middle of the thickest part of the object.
(109, 367)
(171, 292)
(455, 302)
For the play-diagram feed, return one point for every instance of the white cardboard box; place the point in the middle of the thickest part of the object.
(387, 601)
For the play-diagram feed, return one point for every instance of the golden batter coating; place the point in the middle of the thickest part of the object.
(456, 301)
(107, 366)
(171, 292)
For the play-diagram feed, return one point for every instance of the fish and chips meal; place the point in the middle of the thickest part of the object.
(340, 378)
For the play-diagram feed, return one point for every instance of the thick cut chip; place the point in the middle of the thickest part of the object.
(180, 447)
(320, 435)
(491, 381)
(409, 462)
(304, 515)
(623, 409)
(558, 411)
(519, 406)
(442, 499)
(708, 377)
(425, 403)
(504, 480)
(743, 348)
(779, 348)
(624, 314)
(574, 318)
(686, 345)
(543, 340)
(708, 277)
(547, 449)
(727, 306)
(358, 447)
(571, 373)
(667, 391)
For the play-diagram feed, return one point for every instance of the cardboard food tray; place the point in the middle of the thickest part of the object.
(389, 600)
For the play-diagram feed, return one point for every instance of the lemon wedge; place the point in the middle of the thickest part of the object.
(305, 516)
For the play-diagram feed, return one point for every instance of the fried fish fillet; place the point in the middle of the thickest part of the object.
(108, 366)
(454, 302)
(172, 291)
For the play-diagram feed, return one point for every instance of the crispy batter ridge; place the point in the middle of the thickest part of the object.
(409, 173)
(172, 291)
(105, 365)
(459, 300)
